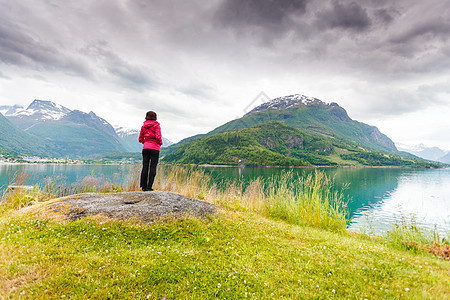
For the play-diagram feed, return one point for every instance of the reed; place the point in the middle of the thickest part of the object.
(310, 201)
(16, 197)
(408, 234)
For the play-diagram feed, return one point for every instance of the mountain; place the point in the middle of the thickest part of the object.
(67, 132)
(71, 133)
(314, 116)
(323, 133)
(6, 110)
(90, 120)
(37, 112)
(15, 140)
(276, 144)
(273, 143)
(76, 140)
(445, 159)
(129, 138)
(423, 151)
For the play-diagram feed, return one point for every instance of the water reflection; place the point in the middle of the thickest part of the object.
(422, 195)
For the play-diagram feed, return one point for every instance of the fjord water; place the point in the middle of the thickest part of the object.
(377, 197)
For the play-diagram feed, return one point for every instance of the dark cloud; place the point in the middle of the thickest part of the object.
(19, 48)
(385, 15)
(260, 13)
(349, 16)
(204, 52)
(128, 74)
(424, 31)
(262, 21)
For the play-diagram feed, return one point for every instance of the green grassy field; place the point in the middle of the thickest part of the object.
(244, 251)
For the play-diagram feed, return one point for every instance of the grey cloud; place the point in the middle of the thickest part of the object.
(422, 47)
(21, 49)
(262, 21)
(392, 101)
(424, 31)
(129, 75)
(344, 16)
(262, 13)
(435, 89)
(385, 15)
(380, 41)
(2, 75)
(197, 89)
(160, 105)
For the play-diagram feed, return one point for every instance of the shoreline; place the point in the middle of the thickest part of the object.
(308, 167)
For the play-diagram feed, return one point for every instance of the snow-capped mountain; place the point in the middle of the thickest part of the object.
(40, 110)
(71, 133)
(8, 110)
(130, 136)
(125, 132)
(72, 128)
(423, 151)
(37, 112)
(287, 102)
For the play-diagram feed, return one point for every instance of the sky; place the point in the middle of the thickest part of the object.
(199, 63)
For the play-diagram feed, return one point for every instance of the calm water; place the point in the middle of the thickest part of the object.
(378, 197)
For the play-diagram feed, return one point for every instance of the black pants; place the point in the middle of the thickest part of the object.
(150, 159)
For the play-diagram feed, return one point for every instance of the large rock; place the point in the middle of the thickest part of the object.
(147, 206)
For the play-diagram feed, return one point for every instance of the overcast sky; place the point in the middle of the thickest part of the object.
(199, 63)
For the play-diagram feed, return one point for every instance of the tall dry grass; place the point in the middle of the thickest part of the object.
(310, 201)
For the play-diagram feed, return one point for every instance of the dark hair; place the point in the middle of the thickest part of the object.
(151, 115)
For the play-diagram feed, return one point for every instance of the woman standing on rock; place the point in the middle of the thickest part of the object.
(150, 136)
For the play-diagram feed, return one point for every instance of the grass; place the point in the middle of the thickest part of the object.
(408, 235)
(294, 199)
(250, 249)
(232, 256)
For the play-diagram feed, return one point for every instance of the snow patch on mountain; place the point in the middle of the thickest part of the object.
(426, 152)
(125, 132)
(7, 110)
(130, 137)
(286, 102)
(40, 110)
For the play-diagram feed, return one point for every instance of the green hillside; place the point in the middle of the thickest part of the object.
(329, 120)
(76, 140)
(318, 118)
(15, 140)
(276, 144)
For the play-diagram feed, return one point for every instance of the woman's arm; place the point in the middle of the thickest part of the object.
(158, 137)
(141, 135)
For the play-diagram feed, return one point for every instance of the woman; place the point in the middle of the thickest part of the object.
(150, 136)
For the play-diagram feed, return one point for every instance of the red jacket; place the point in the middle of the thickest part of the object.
(150, 135)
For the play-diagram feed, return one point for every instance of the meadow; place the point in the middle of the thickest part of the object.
(271, 239)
